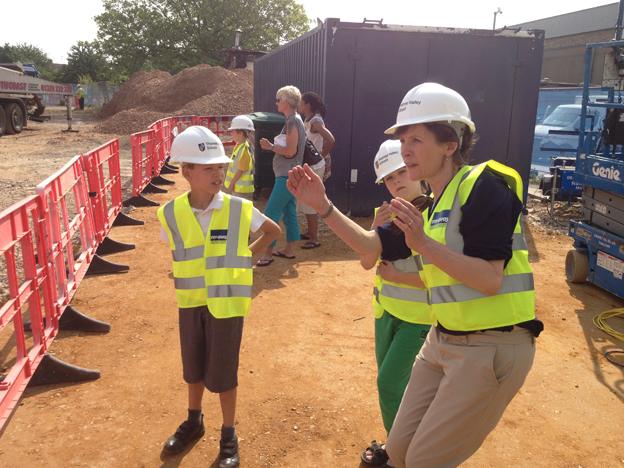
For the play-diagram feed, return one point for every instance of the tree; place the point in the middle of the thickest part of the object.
(85, 59)
(174, 34)
(27, 53)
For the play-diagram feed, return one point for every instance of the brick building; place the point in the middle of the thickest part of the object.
(565, 39)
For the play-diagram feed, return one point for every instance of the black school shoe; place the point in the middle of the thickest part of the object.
(186, 433)
(228, 454)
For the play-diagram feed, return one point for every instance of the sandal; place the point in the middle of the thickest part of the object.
(283, 255)
(263, 262)
(379, 456)
(311, 245)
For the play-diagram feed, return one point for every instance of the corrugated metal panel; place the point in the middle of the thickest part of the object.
(367, 70)
(300, 63)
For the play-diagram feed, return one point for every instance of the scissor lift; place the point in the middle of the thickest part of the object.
(598, 255)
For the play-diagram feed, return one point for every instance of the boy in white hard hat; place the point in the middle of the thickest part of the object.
(239, 179)
(208, 234)
(402, 313)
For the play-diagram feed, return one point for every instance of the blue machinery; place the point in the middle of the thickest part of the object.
(598, 255)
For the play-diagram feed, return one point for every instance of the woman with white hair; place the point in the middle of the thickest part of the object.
(288, 147)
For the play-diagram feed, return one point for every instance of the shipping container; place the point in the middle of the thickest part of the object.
(363, 70)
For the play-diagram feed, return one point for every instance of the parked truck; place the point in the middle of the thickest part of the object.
(20, 97)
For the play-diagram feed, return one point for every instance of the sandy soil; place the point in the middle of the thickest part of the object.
(307, 393)
(28, 158)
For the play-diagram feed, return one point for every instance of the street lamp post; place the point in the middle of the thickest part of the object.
(497, 12)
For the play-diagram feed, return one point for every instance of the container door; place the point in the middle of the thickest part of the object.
(387, 65)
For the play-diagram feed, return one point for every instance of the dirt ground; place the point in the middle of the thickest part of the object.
(42, 148)
(307, 395)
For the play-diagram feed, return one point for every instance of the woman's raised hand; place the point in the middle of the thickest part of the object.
(409, 220)
(307, 187)
(266, 144)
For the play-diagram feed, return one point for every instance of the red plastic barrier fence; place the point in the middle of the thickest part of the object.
(217, 124)
(23, 230)
(151, 148)
(164, 137)
(143, 155)
(72, 242)
(182, 122)
(104, 177)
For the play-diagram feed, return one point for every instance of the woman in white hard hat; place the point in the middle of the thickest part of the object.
(478, 278)
(239, 179)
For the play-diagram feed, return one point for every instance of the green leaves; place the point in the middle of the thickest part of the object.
(85, 63)
(27, 53)
(175, 34)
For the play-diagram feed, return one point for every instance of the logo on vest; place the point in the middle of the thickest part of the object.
(218, 235)
(441, 217)
(610, 173)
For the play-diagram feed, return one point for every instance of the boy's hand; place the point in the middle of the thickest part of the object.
(383, 215)
(387, 271)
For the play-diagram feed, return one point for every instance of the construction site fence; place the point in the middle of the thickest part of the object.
(49, 240)
(151, 147)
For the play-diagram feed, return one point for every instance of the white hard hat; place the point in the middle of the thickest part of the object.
(198, 145)
(432, 102)
(242, 122)
(388, 159)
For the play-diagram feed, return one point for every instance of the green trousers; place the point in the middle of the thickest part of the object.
(396, 345)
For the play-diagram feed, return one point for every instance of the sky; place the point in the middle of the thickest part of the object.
(55, 25)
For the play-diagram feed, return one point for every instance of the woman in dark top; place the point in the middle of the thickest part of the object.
(477, 274)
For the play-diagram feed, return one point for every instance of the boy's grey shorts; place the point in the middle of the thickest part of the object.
(210, 348)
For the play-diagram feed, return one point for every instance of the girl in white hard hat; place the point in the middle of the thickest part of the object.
(478, 278)
(402, 313)
(239, 179)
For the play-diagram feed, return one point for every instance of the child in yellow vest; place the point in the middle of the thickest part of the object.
(239, 179)
(208, 234)
(402, 313)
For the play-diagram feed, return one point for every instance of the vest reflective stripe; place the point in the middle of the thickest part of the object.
(225, 262)
(246, 182)
(229, 290)
(182, 254)
(190, 283)
(404, 293)
(518, 243)
(455, 305)
(461, 293)
(212, 269)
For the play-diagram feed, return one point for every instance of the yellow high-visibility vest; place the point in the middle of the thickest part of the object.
(455, 305)
(214, 269)
(403, 301)
(246, 182)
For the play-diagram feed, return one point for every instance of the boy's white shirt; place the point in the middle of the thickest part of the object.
(204, 216)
